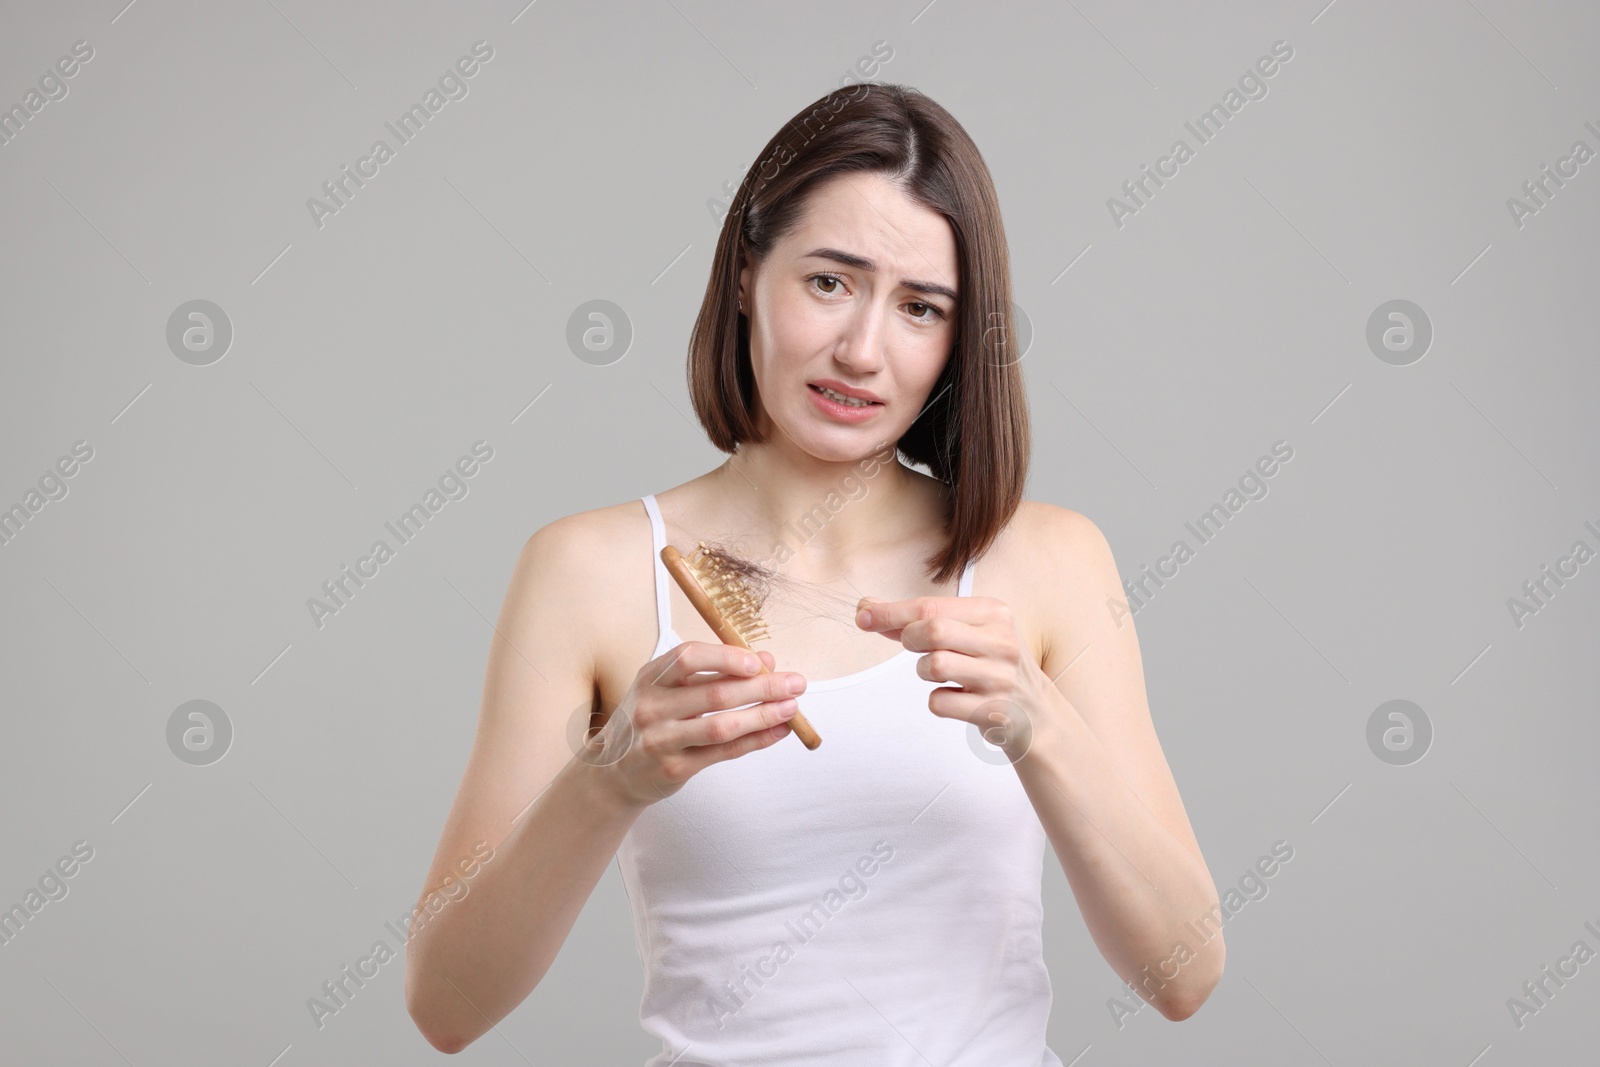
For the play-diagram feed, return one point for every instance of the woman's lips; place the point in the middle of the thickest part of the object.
(842, 412)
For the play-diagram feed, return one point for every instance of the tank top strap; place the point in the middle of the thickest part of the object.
(658, 541)
(965, 586)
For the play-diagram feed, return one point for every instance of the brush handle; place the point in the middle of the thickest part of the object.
(684, 575)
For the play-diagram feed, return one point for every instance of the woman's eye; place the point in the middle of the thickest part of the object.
(831, 281)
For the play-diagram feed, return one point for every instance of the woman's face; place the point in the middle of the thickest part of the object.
(860, 298)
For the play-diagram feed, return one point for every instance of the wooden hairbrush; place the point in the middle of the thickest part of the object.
(724, 600)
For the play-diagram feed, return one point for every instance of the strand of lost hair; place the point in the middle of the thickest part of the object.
(758, 586)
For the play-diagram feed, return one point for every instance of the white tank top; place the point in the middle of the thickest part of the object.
(875, 901)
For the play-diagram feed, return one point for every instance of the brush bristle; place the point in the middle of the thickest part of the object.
(726, 580)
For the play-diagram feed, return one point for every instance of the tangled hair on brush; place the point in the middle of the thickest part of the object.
(756, 579)
(767, 585)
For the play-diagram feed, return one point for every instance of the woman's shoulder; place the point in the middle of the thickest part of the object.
(597, 566)
(583, 528)
(1047, 554)
(595, 544)
(1045, 535)
(1052, 566)
(1056, 522)
(611, 544)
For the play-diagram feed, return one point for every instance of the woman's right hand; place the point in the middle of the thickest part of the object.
(662, 735)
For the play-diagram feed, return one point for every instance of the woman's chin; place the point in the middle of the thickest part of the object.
(832, 442)
(842, 444)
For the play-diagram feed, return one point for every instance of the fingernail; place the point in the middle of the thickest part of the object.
(863, 618)
(751, 663)
(795, 683)
(787, 709)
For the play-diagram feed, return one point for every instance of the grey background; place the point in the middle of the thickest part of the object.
(369, 354)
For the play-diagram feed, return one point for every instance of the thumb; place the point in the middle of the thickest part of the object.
(766, 657)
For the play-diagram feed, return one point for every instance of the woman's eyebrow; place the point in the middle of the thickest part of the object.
(850, 259)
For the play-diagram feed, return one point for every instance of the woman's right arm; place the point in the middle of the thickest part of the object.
(493, 937)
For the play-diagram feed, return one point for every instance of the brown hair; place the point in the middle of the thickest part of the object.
(974, 432)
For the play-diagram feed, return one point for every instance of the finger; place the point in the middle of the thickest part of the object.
(702, 756)
(889, 617)
(973, 674)
(871, 614)
(678, 664)
(724, 694)
(926, 635)
(720, 728)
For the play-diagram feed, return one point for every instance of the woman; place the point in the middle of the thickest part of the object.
(875, 899)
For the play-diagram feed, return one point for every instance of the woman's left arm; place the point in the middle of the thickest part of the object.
(1075, 723)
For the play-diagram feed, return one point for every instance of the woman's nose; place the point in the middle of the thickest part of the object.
(861, 348)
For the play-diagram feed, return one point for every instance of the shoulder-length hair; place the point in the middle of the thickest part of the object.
(973, 434)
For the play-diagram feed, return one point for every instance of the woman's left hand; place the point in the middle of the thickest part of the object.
(974, 642)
